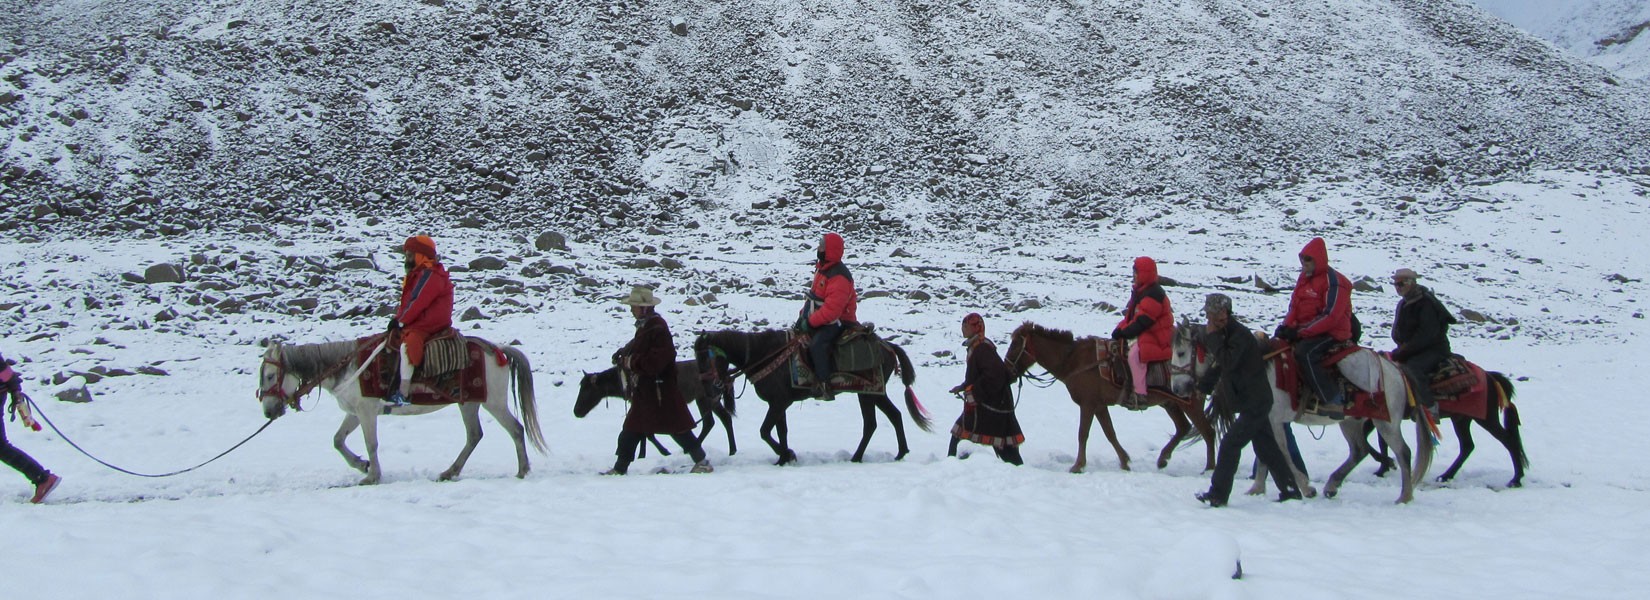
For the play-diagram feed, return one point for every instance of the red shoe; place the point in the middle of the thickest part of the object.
(44, 488)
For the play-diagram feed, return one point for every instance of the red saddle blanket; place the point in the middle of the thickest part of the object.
(465, 383)
(1471, 402)
(1362, 405)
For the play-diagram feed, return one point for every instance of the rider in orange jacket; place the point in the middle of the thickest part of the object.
(1149, 321)
(426, 308)
(831, 309)
(1320, 316)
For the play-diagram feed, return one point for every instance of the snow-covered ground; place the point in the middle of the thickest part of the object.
(1552, 263)
(1614, 34)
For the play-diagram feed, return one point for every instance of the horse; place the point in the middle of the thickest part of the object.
(594, 387)
(718, 352)
(1190, 364)
(1505, 431)
(1076, 362)
(289, 372)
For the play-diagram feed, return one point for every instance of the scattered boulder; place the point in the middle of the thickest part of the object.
(305, 304)
(678, 26)
(472, 314)
(356, 263)
(1027, 304)
(550, 240)
(163, 273)
(1366, 284)
(639, 263)
(1475, 316)
(671, 263)
(900, 253)
(74, 390)
(166, 315)
(919, 296)
(487, 263)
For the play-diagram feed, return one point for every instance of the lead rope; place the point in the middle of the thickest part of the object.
(100, 461)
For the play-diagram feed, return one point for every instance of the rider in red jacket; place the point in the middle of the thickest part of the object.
(831, 309)
(1148, 321)
(426, 308)
(1320, 315)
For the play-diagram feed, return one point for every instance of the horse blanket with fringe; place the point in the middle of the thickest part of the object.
(1473, 400)
(858, 357)
(454, 369)
(1359, 373)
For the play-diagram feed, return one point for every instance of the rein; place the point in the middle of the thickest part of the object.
(304, 387)
(100, 461)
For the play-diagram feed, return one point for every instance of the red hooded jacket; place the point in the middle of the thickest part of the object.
(1322, 301)
(834, 286)
(1148, 318)
(426, 299)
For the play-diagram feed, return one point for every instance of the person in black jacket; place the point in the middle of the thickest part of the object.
(988, 409)
(1240, 374)
(1421, 331)
(11, 384)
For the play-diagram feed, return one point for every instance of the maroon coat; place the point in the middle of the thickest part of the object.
(427, 299)
(656, 403)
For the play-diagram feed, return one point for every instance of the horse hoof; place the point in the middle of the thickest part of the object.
(369, 481)
(1161, 464)
(522, 474)
(449, 476)
(1442, 479)
(1329, 494)
(1515, 483)
(1075, 470)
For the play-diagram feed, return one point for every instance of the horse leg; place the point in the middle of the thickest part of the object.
(1104, 414)
(721, 412)
(707, 419)
(1086, 418)
(1201, 422)
(338, 441)
(518, 434)
(369, 433)
(472, 436)
(891, 410)
(1463, 432)
(1262, 472)
(1181, 426)
(868, 419)
(1352, 430)
(1394, 438)
(1509, 440)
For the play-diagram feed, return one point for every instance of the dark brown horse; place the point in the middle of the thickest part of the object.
(719, 352)
(1076, 362)
(1505, 431)
(595, 387)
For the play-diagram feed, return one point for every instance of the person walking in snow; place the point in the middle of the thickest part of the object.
(988, 409)
(1421, 331)
(426, 309)
(1320, 316)
(11, 384)
(656, 404)
(1148, 326)
(831, 309)
(1239, 373)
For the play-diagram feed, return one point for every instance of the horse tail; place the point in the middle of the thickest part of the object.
(1509, 416)
(522, 377)
(1424, 443)
(908, 375)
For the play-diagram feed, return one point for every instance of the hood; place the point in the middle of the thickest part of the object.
(831, 251)
(1319, 253)
(1145, 272)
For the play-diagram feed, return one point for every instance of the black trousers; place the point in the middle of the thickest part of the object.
(1249, 427)
(630, 441)
(16, 459)
(1308, 353)
(824, 342)
(1420, 368)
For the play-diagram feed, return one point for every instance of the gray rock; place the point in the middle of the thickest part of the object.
(900, 253)
(304, 303)
(166, 315)
(472, 314)
(918, 295)
(133, 278)
(488, 263)
(77, 393)
(671, 263)
(550, 240)
(1475, 316)
(163, 273)
(678, 26)
(1027, 304)
(1365, 284)
(502, 282)
(356, 263)
(639, 263)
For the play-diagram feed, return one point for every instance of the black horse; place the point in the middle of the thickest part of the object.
(1506, 431)
(598, 386)
(718, 352)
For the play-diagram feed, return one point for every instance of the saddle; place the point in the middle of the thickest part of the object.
(1461, 388)
(1360, 403)
(858, 355)
(1116, 370)
(454, 368)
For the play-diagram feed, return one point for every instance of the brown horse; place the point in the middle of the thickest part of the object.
(1076, 362)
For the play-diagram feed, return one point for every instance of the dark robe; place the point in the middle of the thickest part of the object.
(990, 419)
(656, 403)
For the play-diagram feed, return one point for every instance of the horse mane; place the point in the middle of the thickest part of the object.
(1041, 331)
(308, 361)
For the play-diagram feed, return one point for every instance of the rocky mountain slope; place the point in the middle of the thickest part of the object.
(165, 116)
(1614, 34)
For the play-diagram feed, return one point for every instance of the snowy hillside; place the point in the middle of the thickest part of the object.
(164, 116)
(1614, 34)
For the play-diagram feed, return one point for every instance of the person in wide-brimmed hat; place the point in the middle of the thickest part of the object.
(656, 403)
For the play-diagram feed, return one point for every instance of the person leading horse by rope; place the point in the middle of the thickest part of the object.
(1237, 381)
(426, 310)
(1320, 317)
(656, 403)
(1421, 332)
(11, 384)
(831, 309)
(1148, 325)
(988, 412)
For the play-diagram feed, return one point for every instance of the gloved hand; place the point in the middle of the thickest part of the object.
(394, 324)
(1116, 332)
(1288, 334)
(802, 324)
(958, 389)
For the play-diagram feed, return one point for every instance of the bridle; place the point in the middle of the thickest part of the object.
(277, 389)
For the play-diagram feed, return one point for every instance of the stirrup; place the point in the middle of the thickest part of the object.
(395, 399)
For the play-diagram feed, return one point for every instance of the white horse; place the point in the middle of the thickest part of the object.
(1365, 369)
(291, 371)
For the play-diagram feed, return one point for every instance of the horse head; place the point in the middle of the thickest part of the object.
(1019, 358)
(277, 385)
(592, 390)
(1188, 359)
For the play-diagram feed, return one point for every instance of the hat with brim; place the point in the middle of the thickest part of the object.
(1405, 274)
(1217, 303)
(640, 296)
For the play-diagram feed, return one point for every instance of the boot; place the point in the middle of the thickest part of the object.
(616, 470)
(45, 487)
(1210, 499)
(1289, 494)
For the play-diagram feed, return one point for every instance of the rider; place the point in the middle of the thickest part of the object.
(1421, 330)
(1148, 321)
(830, 310)
(988, 415)
(426, 309)
(44, 481)
(656, 403)
(1320, 316)
(1240, 372)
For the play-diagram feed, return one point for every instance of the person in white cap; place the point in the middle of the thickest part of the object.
(656, 403)
(1421, 331)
